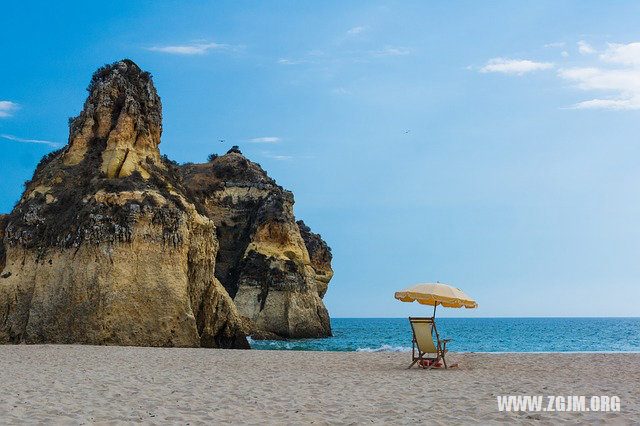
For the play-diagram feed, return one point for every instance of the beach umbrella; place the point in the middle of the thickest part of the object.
(435, 294)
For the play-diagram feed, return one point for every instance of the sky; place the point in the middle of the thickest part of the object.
(492, 145)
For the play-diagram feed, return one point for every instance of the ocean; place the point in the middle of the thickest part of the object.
(476, 335)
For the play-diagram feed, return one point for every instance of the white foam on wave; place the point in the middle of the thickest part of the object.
(385, 348)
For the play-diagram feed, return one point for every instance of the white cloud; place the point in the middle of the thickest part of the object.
(593, 78)
(7, 108)
(613, 104)
(614, 72)
(514, 66)
(190, 49)
(265, 139)
(624, 54)
(555, 45)
(621, 84)
(277, 157)
(285, 61)
(341, 91)
(37, 141)
(585, 48)
(391, 51)
(356, 30)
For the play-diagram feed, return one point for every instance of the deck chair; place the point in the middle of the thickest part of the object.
(423, 345)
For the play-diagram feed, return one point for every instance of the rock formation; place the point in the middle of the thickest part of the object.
(111, 243)
(264, 260)
(3, 219)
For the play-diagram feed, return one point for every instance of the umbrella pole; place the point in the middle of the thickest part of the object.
(434, 309)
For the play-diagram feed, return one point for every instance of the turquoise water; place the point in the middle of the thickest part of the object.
(477, 335)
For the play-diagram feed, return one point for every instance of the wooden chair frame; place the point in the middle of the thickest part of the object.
(441, 345)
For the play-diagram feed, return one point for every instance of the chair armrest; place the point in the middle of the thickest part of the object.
(444, 344)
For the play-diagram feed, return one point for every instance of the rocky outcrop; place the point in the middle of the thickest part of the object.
(112, 243)
(320, 256)
(124, 112)
(3, 219)
(263, 261)
(103, 248)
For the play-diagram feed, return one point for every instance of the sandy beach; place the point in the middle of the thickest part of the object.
(90, 384)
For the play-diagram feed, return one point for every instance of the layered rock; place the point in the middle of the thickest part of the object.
(124, 112)
(320, 257)
(112, 243)
(263, 261)
(3, 219)
(103, 247)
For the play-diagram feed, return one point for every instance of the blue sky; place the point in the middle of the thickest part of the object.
(490, 145)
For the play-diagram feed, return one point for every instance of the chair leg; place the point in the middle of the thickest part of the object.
(433, 363)
(414, 361)
(438, 358)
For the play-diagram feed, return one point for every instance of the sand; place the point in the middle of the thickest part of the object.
(88, 384)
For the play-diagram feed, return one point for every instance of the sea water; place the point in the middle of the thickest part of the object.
(476, 335)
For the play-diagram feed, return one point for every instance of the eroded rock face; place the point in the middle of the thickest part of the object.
(124, 113)
(104, 247)
(264, 262)
(3, 219)
(320, 256)
(113, 244)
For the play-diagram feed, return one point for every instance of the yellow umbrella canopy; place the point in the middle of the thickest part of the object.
(435, 294)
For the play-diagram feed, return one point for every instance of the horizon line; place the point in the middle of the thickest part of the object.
(565, 317)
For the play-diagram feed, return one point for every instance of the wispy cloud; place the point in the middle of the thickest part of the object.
(356, 30)
(614, 72)
(514, 66)
(7, 108)
(189, 49)
(36, 141)
(612, 104)
(319, 57)
(585, 48)
(285, 61)
(557, 44)
(391, 51)
(276, 156)
(341, 91)
(265, 139)
(621, 82)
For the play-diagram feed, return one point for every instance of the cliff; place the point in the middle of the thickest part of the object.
(111, 243)
(264, 262)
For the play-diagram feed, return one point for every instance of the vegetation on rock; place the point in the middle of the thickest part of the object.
(108, 214)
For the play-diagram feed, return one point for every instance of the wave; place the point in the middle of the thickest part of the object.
(385, 348)
(273, 344)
